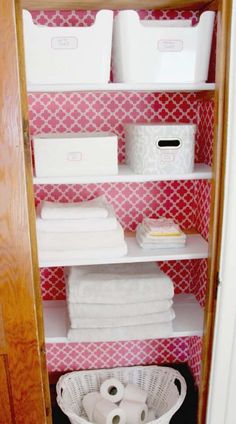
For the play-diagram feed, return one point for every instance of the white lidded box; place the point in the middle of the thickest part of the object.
(68, 55)
(161, 51)
(160, 148)
(72, 155)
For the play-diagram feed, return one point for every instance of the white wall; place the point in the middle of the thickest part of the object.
(222, 396)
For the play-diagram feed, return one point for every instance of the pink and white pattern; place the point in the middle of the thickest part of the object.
(132, 201)
(203, 201)
(107, 111)
(81, 356)
(187, 201)
(199, 281)
(87, 17)
(195, 353)
(205, 131)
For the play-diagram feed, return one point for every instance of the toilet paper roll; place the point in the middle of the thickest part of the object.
(151, 416)
(106, 412)
(136, 412)
(134, 393)
(89, 402)
(112, 390)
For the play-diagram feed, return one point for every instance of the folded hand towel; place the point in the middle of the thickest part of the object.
(87, 310)
(102, 285)
(122, 321)
(77, 225)
(137, 332)
(80, 240)
(61, 256)
(96, 208)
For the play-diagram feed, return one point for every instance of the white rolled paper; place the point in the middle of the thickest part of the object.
(136, 412)
(151, 416)
(89, 402)
(134, 393)
(107, 412)
(112, 390)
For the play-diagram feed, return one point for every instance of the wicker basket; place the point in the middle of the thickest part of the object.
(158, 382)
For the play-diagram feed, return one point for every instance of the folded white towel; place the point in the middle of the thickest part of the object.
(75, 225)
(137, 332)
(87, 310)
(61, 256)
(96, 208)
(123, 321)
(80, 240)
(108, 285)
(75, 273)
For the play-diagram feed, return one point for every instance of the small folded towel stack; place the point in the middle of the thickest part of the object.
(160, 233)
(119, 302)
(78, 230)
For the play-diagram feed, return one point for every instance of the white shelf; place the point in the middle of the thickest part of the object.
(196, 248)
(34, 88)
(188, 321)
(201, 172)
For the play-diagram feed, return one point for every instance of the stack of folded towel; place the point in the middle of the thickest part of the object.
(160, 233)
(119, 302)
(78, 230)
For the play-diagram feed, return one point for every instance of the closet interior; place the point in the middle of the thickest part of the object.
(190, 199)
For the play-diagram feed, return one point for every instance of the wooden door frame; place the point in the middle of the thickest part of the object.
(19, 281)
(20, 294)
(219, 165)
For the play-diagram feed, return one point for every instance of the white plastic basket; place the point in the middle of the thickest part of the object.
(161, 51)
(158, 382)
(68, 55)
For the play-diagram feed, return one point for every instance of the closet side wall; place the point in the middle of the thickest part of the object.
(18, 270)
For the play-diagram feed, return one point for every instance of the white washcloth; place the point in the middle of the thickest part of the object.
(86, 310)
(161, 227)
(82, 254)
(137, 332)
(80, 240)
(96, 208)
(75, 225)
(123, 321)
(159, 242)
(108, 285)
(159, 239)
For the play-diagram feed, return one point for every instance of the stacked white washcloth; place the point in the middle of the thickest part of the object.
(160, 233)
(119, 302)
(79, 230)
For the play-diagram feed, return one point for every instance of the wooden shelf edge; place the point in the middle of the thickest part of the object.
(113, 4)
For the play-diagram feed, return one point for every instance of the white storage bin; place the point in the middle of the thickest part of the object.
(160, 148)
(161, 51)
(73, 155)
(159, 382)
(68, 55)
